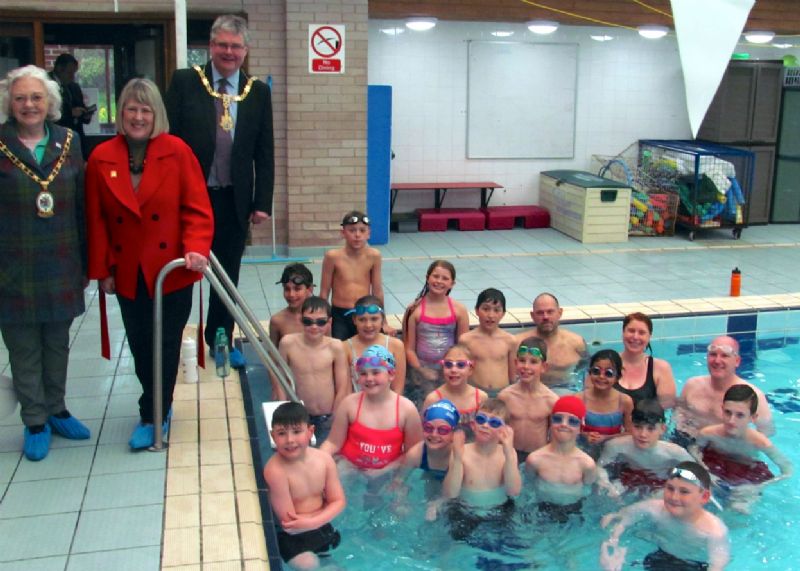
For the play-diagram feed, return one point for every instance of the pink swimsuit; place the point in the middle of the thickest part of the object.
(369, 448)
(435, 335)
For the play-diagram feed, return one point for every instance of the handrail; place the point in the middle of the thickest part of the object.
(248, 323)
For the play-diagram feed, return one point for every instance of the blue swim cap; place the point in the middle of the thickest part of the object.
(442, 410)
(375, 357)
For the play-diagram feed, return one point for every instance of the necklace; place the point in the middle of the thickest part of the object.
(136, 169)
(226, 120)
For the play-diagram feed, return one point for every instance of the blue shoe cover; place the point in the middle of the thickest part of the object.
(142, 437)
(237, 359)
(36, 446)
(69, 427)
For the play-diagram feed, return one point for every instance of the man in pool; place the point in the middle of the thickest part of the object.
(688, 537)
(566, 350)
(700, 403)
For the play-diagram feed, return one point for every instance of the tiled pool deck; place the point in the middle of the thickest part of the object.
(95, 505)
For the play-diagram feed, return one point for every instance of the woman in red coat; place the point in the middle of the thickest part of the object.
(146, 204)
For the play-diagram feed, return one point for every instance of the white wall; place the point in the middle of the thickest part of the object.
(628, 89)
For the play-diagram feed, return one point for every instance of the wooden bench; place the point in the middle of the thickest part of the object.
(436, 219)
(504, 217)
(440, 190)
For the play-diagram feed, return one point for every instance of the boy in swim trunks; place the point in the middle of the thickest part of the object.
(298, 285)
(731, 450)
(304, 489)
(644, 459)
(688, 537)
(528, 400)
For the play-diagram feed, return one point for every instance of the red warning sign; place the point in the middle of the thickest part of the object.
(325, 48)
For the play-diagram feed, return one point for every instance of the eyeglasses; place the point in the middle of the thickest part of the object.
(36, 98)
(607, 373)
(225, 46)
(493, 421)
(296, 280)
(572, 421)
(373, 362)
(355, 220)
(687, 475)
(362, 309)
(460, 364)
(308, 322)
(532, 351)
(441, 430)
(726, 350)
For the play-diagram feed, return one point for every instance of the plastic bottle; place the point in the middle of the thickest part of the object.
(189, 360)
(221, 354)
(736, 282)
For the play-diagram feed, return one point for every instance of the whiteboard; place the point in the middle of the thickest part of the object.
(521, 100)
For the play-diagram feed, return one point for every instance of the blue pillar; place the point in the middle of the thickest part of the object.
(379, 156)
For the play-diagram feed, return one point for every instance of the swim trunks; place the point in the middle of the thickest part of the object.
(662, 561)
(464, 520)
(559, 513)
(342, 326)
(635, 478)
(647, 391)
(320, 540)
(733, 471)
(370, 448)
(322, 426)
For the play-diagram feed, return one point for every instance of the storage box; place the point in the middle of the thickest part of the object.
(586, 207)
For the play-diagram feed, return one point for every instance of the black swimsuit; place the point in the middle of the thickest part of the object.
(647, 391)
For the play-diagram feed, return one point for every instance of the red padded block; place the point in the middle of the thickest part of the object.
(433, 220)
(504, 217)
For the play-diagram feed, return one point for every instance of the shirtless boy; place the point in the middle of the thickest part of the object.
(493, 350)
(688, 537)
(561, 469)
(350, 272)
(529, 402)
(319, 366)
(298, 285)
(700, 403)
(304, 489)
(566, 350)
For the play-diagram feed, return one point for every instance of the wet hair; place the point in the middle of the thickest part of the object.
(296, 270)
(316, 303)
(495, 407)
(697, 470)
(354, 214)
(608, 355)
(460, 347)
(145, 92)
(369, 300)
(639, 316)
(537, 343)
(742, 393)
(63, 60)
(648, 411)
(50, 87)
(231, 24)
(491, 295)
(289, 414)
(545, 294)
(417, 300)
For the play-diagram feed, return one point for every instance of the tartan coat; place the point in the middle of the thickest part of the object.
(42, 260)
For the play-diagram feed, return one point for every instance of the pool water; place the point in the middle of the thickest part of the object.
(377, 534)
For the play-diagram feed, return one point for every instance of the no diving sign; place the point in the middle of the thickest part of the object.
(325, 48)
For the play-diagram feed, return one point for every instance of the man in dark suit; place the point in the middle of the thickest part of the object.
(232, 137)
(74, 114)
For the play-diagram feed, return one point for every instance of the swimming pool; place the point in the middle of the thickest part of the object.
(376, 535)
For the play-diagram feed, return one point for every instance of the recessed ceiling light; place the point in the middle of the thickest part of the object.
(602, 38)
(759, 36)
(420, 24)
(542, 26)
(392, 31)
(782, 46)
(653, 32)
(502, 33)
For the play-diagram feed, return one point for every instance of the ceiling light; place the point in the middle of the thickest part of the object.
(542, 26)
(502, 33)
(759, 37)
(782, 46)
(653, 32)
(602, 38)
(420, 24)
(392, 31)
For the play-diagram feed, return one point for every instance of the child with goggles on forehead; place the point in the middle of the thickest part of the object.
(369, 319)
(372, 428)
(608, 411)
(350, 272)
(560, 470)
(528, 400)
(457, 368)
(318, 364)
(688, 537)
(298, 285)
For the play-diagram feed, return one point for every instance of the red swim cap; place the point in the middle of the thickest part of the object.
(572, 405)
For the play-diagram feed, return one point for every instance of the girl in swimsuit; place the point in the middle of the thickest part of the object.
(374, 427)
(608, 412)
(369, 318)
(457, 364)
(644, 377)
(431, 325)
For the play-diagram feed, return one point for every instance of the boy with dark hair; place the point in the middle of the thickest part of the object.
(493, 349)
(298, 285)
(304, 489)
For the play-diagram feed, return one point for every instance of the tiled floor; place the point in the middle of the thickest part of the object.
(94, 505)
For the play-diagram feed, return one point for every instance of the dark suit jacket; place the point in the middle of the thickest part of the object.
(192, 117)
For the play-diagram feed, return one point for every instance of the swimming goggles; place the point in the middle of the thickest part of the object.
(372, 309)
(308, 322)
(296, 280)
(532, 351)
(373, 362)
(493, 421)
(686, 474)
(441, 430)
(726, 350)
(607, 373)
(460, 364)
(355, 220)
(572, 421)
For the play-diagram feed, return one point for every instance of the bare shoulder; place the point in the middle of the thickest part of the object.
(572, 338)
(408, 407)
(660, 365)
(333, 254)
(757, 439)
(373, 253)
(274, 469)
(291, 340)
(586, 461)
(507, 393)
(712, 526)
(693, 384)
(395, 345)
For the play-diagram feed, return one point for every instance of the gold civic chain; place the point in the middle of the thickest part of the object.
(24, 168)
(226, 121)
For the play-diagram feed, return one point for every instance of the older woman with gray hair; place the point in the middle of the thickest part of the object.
(146, 204)
(42, 252)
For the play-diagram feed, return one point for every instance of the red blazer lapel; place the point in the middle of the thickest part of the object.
(116, 173)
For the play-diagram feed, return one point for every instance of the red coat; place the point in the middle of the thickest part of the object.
(169, 216)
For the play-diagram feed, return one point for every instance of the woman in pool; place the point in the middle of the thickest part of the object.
(644, 376)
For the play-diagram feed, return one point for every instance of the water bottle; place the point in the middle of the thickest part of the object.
(736, 282)
(189, 360)
(221, 354)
